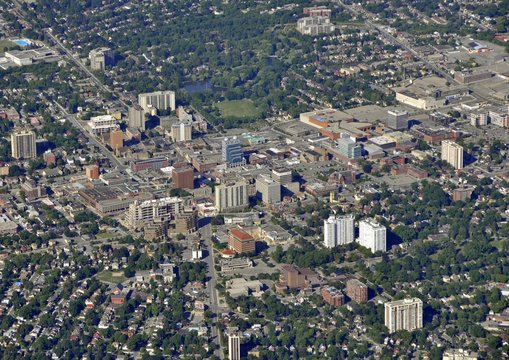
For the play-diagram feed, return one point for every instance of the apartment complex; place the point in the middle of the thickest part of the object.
(372, 235)
(23, 144)
(315, 25)
(332, 296)
(452, 153)
(158, 100)
(403, 314)
(141, 213)
(338, 230)
(231, 196)
(102, 124)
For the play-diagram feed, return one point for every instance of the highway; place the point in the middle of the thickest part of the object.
(113, 159)
(206, 234)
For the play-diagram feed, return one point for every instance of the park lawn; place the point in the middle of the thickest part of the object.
(4, 44)
(112, 276)
(238, 108)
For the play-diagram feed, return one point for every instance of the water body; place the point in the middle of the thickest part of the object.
(199, 86)
(23, 42)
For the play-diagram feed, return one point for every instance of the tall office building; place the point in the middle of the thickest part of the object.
(372, 235)
(183, 177)
(338, 230)
(397, 119)
(268, 189)
(160, 100)
(136, 117)
(231, 196)
(403, 314)
(282, 176)
(233, 345)
(182, 132)
(232, 151)
(349, 148)
(23, 144)
(452, 153)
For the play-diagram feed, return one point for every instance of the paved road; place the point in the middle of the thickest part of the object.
(82, 66)
(206, 234)
(113, 159)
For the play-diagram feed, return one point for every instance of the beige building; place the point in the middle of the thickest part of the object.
(146, 212)
(159, 100)
(459, 354)
(136, 117)
(403, 314)
(233, 345)
(231, 196)
(23, 144)
(99, 58)
(452, 153)
(268, 189)
(182, 132)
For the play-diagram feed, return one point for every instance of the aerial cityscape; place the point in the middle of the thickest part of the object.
(248, 179)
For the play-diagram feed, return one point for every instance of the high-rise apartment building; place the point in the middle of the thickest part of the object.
(372, 235)
(99, 58)
(182, 132)
(232, 151)
(136, 117)
(452, 153)
(234, 345)
(159, 100)
(117, 139)
(231, 196)
(403, 314)
(338, 230)
(152, 211)
(23, 144)
(268, 189)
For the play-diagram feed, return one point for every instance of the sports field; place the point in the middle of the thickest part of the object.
(238, 108)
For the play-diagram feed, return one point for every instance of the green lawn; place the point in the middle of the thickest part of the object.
(112, 276)
(238, 108)
(5, 44)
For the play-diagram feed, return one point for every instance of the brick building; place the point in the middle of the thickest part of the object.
(241, 241)
(357, 291)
